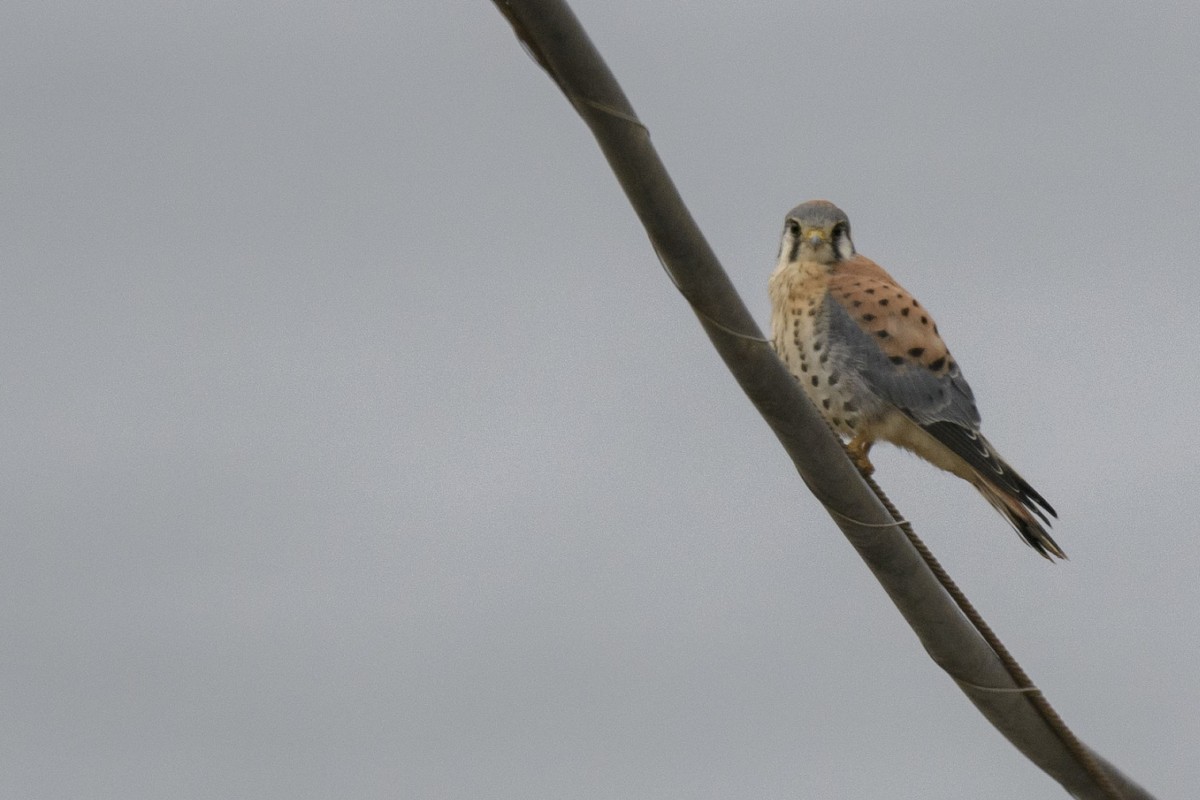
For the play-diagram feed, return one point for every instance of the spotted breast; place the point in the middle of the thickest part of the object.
(804, 316)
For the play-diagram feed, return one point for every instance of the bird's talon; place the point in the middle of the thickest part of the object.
(858, 449)
(864, 465)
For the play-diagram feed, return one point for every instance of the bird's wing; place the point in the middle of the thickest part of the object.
(896, 349)
(894, 345)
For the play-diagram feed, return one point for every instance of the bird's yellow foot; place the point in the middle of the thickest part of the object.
(858, 449)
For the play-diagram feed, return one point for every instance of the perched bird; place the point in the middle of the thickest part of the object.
(870, 358)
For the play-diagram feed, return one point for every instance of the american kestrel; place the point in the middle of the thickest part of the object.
(870, 358)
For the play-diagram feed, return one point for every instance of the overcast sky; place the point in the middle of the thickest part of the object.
(355, 444)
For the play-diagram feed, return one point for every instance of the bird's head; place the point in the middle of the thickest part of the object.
(816, 231)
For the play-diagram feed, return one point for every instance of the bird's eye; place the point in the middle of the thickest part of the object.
(793, 227)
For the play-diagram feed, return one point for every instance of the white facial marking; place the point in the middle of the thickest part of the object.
(845, 248)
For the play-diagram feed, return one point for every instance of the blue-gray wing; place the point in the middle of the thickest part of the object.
(895, 366)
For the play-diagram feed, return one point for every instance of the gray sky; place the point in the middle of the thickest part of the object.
(357, 446)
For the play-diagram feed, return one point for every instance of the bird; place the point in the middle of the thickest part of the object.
(871, 359)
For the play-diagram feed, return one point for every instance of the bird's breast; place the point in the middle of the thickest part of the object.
(801, 332)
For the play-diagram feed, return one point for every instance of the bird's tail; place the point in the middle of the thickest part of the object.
(1024, 509)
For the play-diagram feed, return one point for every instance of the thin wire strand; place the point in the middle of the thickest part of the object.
(615, 112)
(897, 523)
(997, 689)
(662, 262)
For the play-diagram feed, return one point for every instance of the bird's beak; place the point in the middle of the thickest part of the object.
(817, 238)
